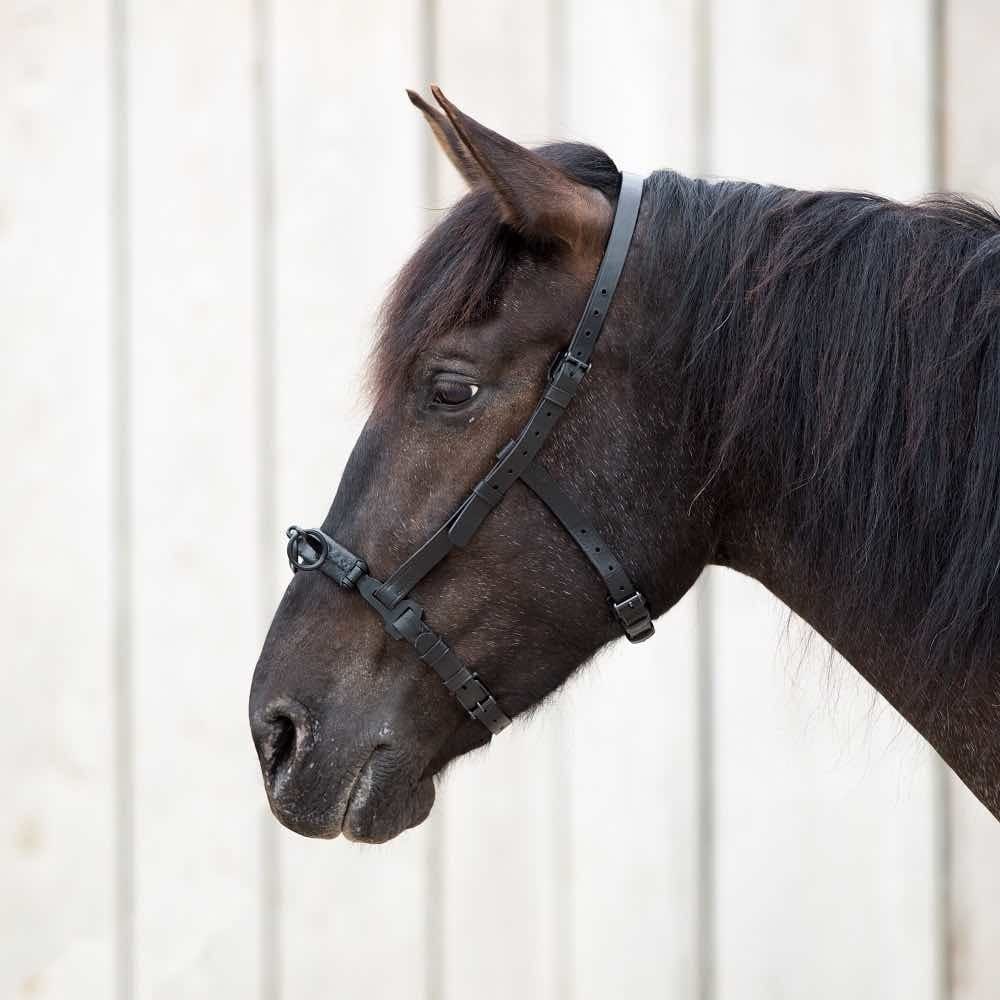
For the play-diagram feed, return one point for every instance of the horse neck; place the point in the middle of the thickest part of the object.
(756, 530)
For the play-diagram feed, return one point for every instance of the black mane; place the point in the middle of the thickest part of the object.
(847, 348)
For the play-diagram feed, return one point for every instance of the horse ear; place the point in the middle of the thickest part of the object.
(534, 195)
(448, 140)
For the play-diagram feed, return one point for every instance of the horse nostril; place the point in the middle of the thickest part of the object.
(282, 743)
(283, 735)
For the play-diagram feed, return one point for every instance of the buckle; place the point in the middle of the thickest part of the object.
(633, 616)
(486, 710)
(565, 378)
(565, 358)
(568, 359)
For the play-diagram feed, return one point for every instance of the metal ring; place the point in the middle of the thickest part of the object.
(295, 538)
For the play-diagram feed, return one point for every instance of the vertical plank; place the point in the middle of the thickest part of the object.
(836, 100)
(827, 860)
(492, 60)
(971, 162)
(825, 837)
(975, 889)
(971, 133)
(348, 202)
(57, 872)
(633, 787)
(197, 796)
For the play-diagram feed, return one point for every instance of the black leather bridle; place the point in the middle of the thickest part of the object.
(401, 614)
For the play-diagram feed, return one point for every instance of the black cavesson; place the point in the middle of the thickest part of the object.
(402, 615)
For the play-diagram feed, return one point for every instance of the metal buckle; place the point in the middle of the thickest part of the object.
(565, 358)
(633, 616)
(486, 710)
(296, 536)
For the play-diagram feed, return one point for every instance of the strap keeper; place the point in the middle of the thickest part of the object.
(488, 493)
(438, 650)
(409, 625)
(558, 397)
(425, 641)
(459, 678)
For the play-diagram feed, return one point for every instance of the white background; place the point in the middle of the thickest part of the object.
(201, 205)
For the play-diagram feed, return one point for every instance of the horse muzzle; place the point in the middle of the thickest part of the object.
(317, 787)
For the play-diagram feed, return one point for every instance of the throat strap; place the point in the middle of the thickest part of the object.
(628, 605)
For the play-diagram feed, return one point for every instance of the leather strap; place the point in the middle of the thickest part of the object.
(581, 347)
(564, 383)
(627, 603)
(402, 616)
(411, 572)
(466, 686)
(314, 549)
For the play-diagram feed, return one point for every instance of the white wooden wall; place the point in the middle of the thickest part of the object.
(200, 208)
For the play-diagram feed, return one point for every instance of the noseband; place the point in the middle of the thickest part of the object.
(402, 615)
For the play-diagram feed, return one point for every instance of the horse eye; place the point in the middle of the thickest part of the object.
(453, 393)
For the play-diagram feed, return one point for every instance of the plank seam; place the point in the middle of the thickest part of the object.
(705, 895)
(560, 806)
(942, 803)
(264, 335)
(121, 508)
(434, 858)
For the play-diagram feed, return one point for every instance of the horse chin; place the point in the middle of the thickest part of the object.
(378, 811)
(387, 797)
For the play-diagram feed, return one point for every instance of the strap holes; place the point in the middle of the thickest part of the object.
(495, 486)
(583, 531)
(525, 452)
(611, 566)
(537, 433)
(621, 588)
(597, 312)
(548, 413)
(604, 291)
(598, 549)
(586, 333)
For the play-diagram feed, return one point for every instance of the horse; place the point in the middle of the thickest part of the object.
(800, 386)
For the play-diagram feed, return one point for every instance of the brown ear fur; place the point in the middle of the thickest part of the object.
(534, 196)
(448, 140)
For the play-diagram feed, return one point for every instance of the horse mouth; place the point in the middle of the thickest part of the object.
(379, 799)
(383, 802)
